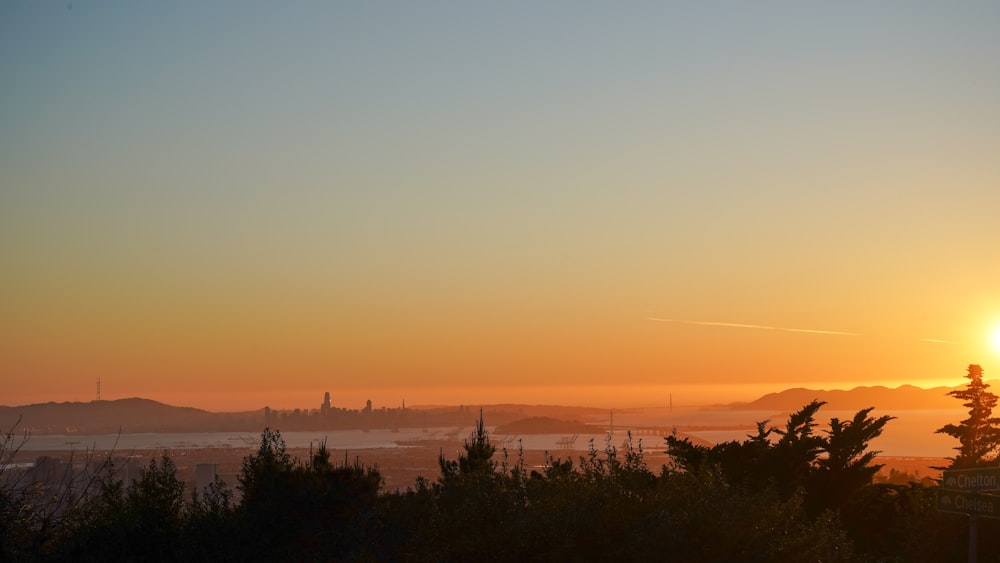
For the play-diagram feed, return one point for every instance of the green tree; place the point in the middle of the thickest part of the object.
(978, 435)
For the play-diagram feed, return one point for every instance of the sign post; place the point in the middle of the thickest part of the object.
(965, 491)
(980, 479)
(962, 502)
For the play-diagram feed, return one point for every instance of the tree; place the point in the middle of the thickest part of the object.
(795, 453)
(830, 469)
(847, 466)
(333, 506)
(759, 462)
(478, 457)
(143, 521)
(158, 491)
(978, 435)
(262, 475)
(473, 503)
(209, 528)
(312, 511)
(16, 513)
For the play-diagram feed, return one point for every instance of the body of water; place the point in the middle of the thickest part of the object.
(911, 434)
(335, 439)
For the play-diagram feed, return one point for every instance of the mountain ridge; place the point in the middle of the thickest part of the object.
(128, 416)
(138, 415)
(903, 397)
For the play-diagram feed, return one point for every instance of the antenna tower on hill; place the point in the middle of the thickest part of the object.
(98, 388)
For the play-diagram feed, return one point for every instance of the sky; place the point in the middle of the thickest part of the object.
(236, 204)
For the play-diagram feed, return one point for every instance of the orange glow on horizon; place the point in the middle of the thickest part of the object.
(466, 226)
(596, 396)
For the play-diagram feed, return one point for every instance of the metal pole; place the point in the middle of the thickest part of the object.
(973, 537)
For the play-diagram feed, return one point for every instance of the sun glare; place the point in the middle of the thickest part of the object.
(995, 339)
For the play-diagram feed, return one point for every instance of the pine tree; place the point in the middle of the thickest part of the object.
(978, 435)
(478, 457)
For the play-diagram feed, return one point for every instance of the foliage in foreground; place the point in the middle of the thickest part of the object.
(803, 496)
(978, 435)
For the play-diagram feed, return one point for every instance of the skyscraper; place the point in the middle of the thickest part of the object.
(324, 409)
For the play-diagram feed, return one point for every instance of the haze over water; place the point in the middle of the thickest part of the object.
(910, 435)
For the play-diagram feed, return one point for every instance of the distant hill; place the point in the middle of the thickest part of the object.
(882, 398)
(137, 415)
(127, 416)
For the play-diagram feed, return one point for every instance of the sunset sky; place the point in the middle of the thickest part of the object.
(236, 204)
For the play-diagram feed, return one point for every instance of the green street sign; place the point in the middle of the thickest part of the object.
(979, 479)
(962, 502)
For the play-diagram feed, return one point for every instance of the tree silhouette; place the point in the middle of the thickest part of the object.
(796, 452)
(759, 462)
(478, 456)
(316, 511)
(790, 493)
(263, 475)
(830, 469)
(847, 466)
(143, 521)
(978, 435)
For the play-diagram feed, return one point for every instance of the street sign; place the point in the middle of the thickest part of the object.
(978, 479)
(968, 503)
(964, 491)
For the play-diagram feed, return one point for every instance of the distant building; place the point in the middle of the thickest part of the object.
(204, 475)
(324, 409)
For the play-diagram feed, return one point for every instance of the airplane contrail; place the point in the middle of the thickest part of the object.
(761, 327)
(938, 341)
